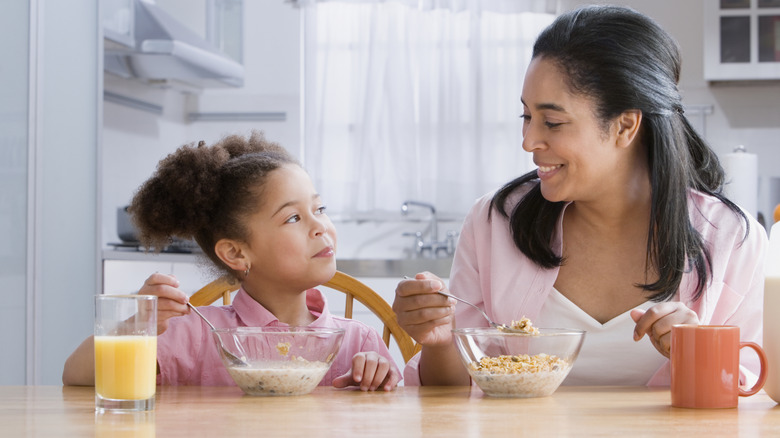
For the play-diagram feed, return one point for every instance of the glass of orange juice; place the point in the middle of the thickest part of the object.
(125, 352)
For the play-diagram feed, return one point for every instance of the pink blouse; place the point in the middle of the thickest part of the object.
(490, 271)
(187, 353)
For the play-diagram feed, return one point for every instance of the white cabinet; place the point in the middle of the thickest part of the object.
(125, 272)
(741, 40)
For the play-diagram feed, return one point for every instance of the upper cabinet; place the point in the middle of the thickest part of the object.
(741, 40)
(195, 43)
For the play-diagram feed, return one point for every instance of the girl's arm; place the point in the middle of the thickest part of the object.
(371, 371)
(80, 365)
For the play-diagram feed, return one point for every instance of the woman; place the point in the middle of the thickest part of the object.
(621, 231)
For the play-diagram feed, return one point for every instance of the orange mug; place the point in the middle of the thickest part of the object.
(705, 366)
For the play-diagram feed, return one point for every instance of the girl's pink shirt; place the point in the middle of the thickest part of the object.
(491, 272)
(187, 353)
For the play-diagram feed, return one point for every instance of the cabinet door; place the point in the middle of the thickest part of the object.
(126, 277)
(741, 39)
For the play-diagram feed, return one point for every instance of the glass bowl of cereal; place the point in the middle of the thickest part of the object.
(518, 364)
(279, 360)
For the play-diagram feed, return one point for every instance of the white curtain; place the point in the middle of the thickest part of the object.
(415, 99)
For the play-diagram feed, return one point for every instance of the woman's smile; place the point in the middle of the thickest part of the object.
(547, 171)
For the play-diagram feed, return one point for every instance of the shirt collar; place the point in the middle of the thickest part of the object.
(253, 314)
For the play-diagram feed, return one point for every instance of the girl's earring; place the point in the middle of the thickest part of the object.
(246, 272)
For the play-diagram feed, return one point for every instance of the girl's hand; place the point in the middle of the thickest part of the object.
(171, 301)
(427, 316)
(657, 323)
(370, 370)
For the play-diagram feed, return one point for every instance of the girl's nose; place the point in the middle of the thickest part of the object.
(319, 226)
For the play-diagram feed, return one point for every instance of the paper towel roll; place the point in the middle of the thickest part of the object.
(741, 185)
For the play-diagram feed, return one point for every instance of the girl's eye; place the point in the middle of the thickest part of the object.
(321, 209)
(552, 125)
(294, 218)
(526, 118)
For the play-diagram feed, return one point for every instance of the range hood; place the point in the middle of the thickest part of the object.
(164, 50)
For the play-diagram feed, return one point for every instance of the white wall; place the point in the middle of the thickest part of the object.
(64, 243)
(13, 192)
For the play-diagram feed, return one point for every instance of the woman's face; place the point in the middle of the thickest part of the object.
(291, 238)
(575, 155)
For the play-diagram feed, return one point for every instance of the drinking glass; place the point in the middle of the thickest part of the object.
(125, 352)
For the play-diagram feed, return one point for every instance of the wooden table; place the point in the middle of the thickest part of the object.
(407, 412)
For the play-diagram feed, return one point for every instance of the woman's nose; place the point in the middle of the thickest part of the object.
(531, 141)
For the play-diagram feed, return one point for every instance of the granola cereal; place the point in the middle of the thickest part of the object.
(519, 375)
(283, 348)
(524, 325)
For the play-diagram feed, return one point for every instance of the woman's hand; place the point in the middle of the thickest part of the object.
(171, 301)
(370, 370)
(657, 323)
(426, 315)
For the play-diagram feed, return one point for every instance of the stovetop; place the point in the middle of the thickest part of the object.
(179, 247)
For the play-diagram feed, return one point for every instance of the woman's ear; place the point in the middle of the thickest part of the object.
(230, 252)
(628, 124)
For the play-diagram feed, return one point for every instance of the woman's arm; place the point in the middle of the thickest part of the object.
(428, 318)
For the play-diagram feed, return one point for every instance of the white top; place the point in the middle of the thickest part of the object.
(609, 355)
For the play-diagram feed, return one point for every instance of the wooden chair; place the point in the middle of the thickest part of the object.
(353, 288)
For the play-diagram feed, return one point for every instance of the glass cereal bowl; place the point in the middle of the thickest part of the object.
(505, 364)
(279, 360)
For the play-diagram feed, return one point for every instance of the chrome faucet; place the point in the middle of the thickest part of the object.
(433, 244)
(434, 235)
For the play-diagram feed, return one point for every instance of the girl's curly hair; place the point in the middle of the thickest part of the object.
(206, 193)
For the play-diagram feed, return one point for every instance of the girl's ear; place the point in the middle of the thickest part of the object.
(230, 252)
(628, 124)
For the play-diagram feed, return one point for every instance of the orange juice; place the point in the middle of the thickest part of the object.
(125, 367)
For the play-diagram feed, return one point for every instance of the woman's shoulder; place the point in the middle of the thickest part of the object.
(715, 220)
(708, 210)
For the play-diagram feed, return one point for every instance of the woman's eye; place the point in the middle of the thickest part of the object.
(294, 218)
(550, 125)
(321, 209)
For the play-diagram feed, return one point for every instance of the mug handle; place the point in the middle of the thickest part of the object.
(762, 375)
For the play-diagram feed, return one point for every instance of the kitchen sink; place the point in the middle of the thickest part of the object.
(395, 268)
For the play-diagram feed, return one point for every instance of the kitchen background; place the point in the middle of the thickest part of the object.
(76, 141)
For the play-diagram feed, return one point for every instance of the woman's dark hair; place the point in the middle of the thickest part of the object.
(206, 193)
(623, 60)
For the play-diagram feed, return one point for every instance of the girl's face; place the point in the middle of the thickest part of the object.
(292, 241)
(574, 155)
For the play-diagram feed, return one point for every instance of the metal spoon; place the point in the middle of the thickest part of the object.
(235, 360)
(502, 327)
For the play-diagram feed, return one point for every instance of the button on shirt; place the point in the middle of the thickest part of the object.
(187, 353)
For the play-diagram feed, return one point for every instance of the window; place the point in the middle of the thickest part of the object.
(407, 103)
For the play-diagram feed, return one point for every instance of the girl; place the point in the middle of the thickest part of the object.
(254, 212)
